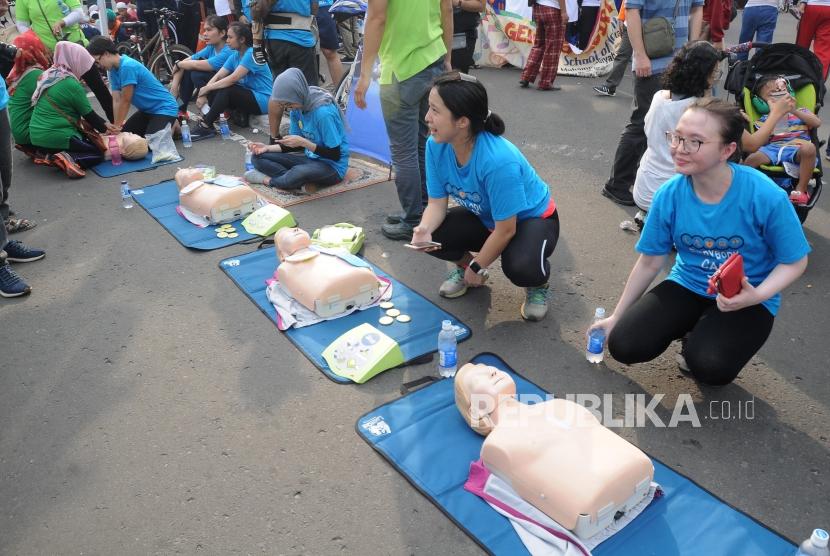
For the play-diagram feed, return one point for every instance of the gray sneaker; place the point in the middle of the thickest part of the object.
(397, 231)
(535, 306)
(454, 285)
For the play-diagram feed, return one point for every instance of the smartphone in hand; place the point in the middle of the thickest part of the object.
(423, 245)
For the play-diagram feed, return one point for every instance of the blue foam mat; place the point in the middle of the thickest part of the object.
(432, 446)
(416, 338)
(106, 169)
(161, 200)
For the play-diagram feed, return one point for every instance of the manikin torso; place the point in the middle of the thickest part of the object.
(319, 281)
(555, 454)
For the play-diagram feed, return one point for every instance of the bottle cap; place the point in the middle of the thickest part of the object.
(599, 313)
(820, 538)
(446, 325)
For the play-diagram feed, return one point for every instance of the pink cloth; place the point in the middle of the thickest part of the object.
(73, 57)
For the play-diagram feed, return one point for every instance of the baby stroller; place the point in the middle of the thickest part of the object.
(804, 72)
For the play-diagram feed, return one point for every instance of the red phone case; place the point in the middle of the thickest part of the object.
(728, 279)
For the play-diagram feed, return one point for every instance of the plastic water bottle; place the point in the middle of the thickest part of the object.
(223, 128)
(126, 197)
(596, 340)
(816, 545)
(115, 150)
(187, 142)
(249, 164)
(447, 350)
(63, 8)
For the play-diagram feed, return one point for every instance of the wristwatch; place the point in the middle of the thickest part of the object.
(478, 269)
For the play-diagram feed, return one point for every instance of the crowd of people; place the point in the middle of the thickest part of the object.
(447, 145)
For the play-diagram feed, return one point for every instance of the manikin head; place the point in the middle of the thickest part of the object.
(290, 240)
(478, 391)
(132, 146)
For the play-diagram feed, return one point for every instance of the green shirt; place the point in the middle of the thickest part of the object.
(33, 12)
(20, 107)
(412, 39)
(49, 128)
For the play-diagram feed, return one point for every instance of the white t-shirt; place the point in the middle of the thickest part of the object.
(656, 166)
(571, 5)
(817, 2)
(756, 3)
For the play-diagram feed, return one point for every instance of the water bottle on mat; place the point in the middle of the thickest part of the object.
(447, 350)
(115, 150)
(187, 142)
(816, 545)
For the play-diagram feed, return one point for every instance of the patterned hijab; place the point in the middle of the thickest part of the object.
(32, 55)
(67, 62)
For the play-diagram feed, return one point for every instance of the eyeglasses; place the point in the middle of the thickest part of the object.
(452, 76)
(690, 146)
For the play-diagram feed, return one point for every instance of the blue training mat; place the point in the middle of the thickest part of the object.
(416, 338)
(431, 445)
(161, 200)
(106, 169)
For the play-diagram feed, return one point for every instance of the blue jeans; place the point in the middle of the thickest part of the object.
(405, 105)
(758, 21)
(293, 170)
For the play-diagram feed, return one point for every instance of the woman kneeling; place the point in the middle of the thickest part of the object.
(712, 209)
(505, 209)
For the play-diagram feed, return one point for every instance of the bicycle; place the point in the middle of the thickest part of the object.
(160, 52)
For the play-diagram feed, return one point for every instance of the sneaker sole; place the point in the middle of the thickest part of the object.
(604, 94)
(623, 202)
(29, 260)
(73, 171)
(459, 293)
(27, 291)
(531, 319)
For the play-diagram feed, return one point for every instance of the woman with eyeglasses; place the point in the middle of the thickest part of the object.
(690, 75)
(505, 209)
(710, 210)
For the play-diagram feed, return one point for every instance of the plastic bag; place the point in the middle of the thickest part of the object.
(162, 145)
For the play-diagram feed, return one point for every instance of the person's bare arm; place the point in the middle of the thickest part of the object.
(447, 27)
(642, 63)
(695, 22)
(375, 24)
(125, 99)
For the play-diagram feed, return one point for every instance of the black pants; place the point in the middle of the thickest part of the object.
(462, 58)
(524, 260)
(96, 84)
(142, 123)
(585, 25)
(718, 344)
(5, 172)
(632, 143)
(192, 80)
(285, 54)
(235, 97)
(85, 155)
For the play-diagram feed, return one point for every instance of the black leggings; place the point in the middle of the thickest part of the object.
(191, 80)
(524, 260)
(235, 97)
(85, 155)
(586, 23)
(96, 84)
(142, 123)
(717, 344)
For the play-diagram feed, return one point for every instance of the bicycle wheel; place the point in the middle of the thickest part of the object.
(162, 66)
(129, 48)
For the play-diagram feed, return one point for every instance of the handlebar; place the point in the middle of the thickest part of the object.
(164, 12)
(133, 25)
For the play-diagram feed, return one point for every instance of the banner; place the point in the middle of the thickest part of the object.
(507, 31)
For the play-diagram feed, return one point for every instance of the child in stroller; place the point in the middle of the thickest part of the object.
(782, 134)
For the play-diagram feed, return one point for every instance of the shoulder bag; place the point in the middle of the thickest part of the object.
(658, 35)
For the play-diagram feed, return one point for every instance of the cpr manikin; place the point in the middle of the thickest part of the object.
(327, 282)
(131, 146)
(555, 454)
(204, 203)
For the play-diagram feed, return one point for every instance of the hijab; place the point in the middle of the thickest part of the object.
(69, 60)
(291, 86)
(33, 54)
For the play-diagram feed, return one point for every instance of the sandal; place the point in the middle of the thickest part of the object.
(15, 225)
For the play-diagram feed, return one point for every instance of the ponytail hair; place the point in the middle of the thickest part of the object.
(466, 97)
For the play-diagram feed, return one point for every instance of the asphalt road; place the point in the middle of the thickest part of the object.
(147, 407)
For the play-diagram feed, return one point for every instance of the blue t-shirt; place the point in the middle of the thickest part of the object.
(4, 94)
(665, 8)
(258, 79)
(149, 95)
(215, 59)
(297, 36)
(323, 126)
(496, 183)
(755, 218)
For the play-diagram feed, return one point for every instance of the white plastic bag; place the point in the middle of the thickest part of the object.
(162, 145)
